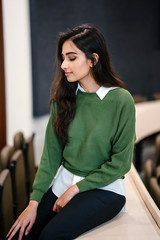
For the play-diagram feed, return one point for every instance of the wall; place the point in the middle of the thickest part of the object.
(18, 76)
(2, 86)
(17, 53)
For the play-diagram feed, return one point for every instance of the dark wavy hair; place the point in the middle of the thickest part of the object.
(89, 40)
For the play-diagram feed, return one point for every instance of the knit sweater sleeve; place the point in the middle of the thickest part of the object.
(121, 155)
(50, 160)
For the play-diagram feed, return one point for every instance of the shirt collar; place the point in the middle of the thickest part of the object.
(101, 92)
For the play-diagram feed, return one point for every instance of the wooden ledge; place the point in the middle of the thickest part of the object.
(141, 220)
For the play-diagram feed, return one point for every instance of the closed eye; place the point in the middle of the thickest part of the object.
(72, 59)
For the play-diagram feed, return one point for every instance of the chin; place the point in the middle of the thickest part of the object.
(71, 80)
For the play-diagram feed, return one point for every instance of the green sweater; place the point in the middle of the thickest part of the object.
(101, 141)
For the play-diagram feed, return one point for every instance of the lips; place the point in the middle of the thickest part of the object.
(68, 73)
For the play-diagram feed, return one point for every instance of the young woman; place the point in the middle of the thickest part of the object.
(89, 141)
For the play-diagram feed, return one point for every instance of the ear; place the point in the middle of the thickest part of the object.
(96, 58)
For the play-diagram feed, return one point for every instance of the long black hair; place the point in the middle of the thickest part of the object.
(89, 40)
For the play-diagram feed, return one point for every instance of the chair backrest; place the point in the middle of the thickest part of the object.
(155, 190)
(5, 156)
(156, 96)
(158, 174)
(18, 140)
(27, 146)
(148, 172)
(157, 150)
(18, 174)
(138, 98)
(6, 203)
(0, 165)
(30, 159)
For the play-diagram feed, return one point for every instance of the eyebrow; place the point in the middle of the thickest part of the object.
(68, 53)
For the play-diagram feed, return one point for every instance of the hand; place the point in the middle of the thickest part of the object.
(27, 217)
(65, 198)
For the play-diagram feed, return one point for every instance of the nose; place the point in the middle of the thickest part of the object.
(64, 64)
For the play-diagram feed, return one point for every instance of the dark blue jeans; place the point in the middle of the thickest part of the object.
(84, 212)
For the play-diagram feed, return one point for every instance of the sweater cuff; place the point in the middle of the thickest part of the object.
(83, 186)
(36, 196)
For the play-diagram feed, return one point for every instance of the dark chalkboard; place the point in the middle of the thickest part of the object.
(131, 29)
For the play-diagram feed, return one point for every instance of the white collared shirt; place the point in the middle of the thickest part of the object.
(101, 92)
(64, 179)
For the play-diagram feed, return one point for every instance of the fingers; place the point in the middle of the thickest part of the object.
(19, 224)
(29, 228)
(11, 229)
(14, 225)
(65, 198)
(26, 219)
(21, 232)
(54, 207)
(57, 207)
(14, 229)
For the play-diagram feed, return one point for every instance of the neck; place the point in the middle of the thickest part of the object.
(90, 86)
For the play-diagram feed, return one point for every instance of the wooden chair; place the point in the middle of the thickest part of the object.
(5, 156)
(138, 98)
(158, 174)
(157, 151)
(156, 96)
(155, 190)
(6, 203)
(27, 146)
(18, 174)
(148, 173)
(30, 159)
(0, 165)
(18, 140)
(150, 165)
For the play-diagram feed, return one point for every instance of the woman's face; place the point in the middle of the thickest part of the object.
(75, 64)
